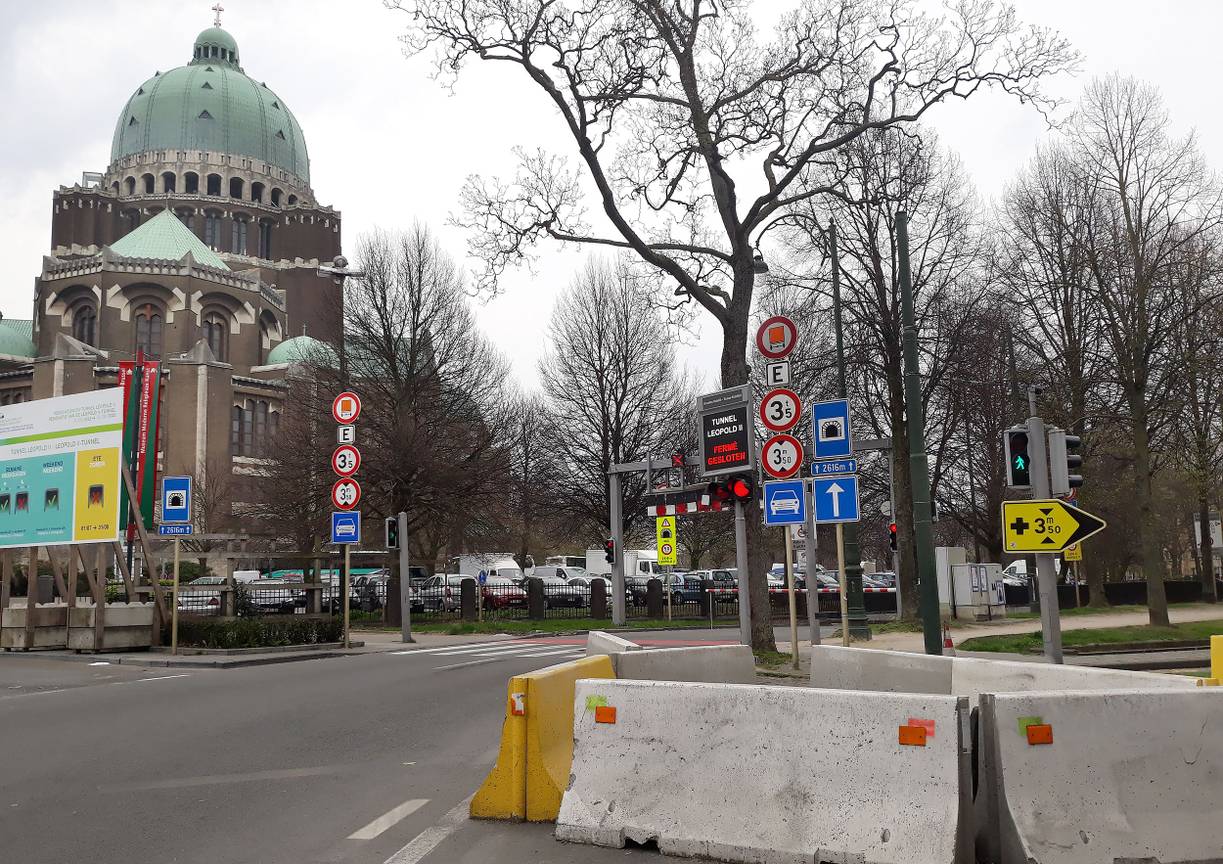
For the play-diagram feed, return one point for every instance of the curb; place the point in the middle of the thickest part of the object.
(153, 661)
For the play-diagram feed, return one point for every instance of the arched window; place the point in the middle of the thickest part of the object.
(212, 229)
(130, 184)
(257, 193)
(150, 184)
(115, 187)
(216, 333)
(191, 183)
(148, 324)
(238, 247)
(168, 182)
(276, 193)
(214, 184)
(292, 200)
(235, 187)
(85, 323)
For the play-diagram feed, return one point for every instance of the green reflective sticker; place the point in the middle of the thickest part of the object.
(593, 702)
(1025, 722)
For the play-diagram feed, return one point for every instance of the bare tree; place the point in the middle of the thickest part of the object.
(1153, 202)
(695, 133)
(531, 475)
(614, 391)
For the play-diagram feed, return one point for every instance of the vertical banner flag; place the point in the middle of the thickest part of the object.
(140, 428)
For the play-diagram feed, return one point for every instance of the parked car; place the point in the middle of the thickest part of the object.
(500, 592)
(886, 578)
(563, 572)
(276, 596)
(202, 602)
(558, 592)
(442, 592)
(584, 584)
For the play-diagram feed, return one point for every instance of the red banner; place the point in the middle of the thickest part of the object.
(145, 418)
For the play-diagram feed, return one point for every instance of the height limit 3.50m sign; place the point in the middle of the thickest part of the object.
(783, 456)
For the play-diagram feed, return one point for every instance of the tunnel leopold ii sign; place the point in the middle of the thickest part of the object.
(726, 431)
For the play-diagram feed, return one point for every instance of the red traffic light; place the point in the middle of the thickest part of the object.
(609, 550)
(740, 489)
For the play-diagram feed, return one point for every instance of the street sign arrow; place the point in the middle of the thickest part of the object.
(1046, 525)
(835, 491)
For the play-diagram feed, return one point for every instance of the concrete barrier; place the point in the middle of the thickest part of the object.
(898, 671)
(598, 642)
(1097, 778)
(724, 664)
(769, 774)
(536, 750)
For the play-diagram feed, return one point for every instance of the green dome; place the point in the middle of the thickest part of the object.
(302, 349)
(15, 338)
(210, 104)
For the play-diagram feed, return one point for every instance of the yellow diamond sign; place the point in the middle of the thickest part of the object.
(668, 555)
(1045, 526)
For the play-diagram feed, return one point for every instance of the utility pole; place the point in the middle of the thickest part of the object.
(405, 580)
(856, 606)
(1050, 615)
(918, 466)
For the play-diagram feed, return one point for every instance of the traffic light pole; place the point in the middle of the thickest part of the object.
(405, 580)
(1046, 575)
(744, 590)
(616, 510)
(919, 468)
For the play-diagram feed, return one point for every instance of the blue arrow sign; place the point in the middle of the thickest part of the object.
(832, 435)
(785, 503)
(836, 498)
(834, 466)
(346, 526)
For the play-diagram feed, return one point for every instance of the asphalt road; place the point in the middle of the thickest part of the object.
(352, 759)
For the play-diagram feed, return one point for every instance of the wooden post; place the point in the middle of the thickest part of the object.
(121, 564)
(72, 579)
(174, 603)
(57, 573)
(99, 609)
(31, 596)
(6, 576)
(844, 586)
(347, 577)
(150, 561)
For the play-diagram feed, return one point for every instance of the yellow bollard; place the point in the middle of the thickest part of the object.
(1216, 657)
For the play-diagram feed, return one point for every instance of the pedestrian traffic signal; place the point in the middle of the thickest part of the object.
(1018, 465)
(892, 536)
(392, 532)
(609, 550)
(1064, 462)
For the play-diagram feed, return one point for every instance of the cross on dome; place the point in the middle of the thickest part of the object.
(218, 8)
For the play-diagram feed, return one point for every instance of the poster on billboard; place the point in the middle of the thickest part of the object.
(142, 420)
(60, 469)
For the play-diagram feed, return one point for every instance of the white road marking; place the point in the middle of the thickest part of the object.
(468, 663)
(216, 779)
(389, 818)
(429, 839)
(159, 678)
(100, 663)
(461, 649)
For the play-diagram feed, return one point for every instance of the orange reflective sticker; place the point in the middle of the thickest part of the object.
(1040, 733)
(605, 714)
(913, 736)
(928, 725)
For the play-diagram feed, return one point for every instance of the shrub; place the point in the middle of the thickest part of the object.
(259, 633)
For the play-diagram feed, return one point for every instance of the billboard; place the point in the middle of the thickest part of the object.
(60, 469)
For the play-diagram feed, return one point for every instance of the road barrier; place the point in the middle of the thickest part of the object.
(1082, 778)
(724, 664)
(536, 750)
(598, 642)
(837, 667)
(770, 774)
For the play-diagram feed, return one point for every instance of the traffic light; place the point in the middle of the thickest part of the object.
(609, 550)
(892, 536)
(1018, 466)
(738, 489)
(392, 532)
(1063, 462)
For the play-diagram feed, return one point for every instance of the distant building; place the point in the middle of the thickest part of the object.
(198, 245)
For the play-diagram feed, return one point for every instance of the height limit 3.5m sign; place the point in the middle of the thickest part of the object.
(726, 431)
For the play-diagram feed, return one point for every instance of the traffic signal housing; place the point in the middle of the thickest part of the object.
(739, 489)
(609, 550)
(1064, 462)
(1018, 462)
(892, 536)
(392, 532)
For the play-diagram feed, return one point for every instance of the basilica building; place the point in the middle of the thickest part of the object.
(199, 245)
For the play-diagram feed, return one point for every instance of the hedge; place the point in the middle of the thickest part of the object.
(258, 633)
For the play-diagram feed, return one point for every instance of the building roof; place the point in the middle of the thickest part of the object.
(15, 337)
(302, 349)
(165, 238)
(211, 104)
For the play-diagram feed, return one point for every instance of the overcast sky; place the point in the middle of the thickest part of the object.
(389, 145)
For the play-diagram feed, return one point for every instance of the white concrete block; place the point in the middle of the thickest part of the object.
(769, 775)
(972, 676)
(598, 642)
(841, 668)
(1130, 776)
(718, 664)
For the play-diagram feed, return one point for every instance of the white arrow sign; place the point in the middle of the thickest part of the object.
(835, 491)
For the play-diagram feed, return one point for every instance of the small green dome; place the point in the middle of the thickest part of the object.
(15, 338)
(303, 349)
(210, 104)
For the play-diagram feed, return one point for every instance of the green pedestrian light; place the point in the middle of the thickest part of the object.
(1018, 463)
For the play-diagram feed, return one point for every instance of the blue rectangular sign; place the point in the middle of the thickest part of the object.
(831, 437)
(346, 526)
(175, 530)
(175, 499)
(834, 466)
(785, 503)
(836, 498)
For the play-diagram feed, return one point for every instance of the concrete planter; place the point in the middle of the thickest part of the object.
(127, 625)
(50, 626)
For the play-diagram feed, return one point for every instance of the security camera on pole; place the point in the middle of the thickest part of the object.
(346, 492)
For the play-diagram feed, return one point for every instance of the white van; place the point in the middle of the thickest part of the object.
(500, 564)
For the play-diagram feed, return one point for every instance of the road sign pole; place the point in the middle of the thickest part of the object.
(1046, 575)
(405, 580)
(745, 597)
(174, 604)
(919, 467)
(844, 584)
(790, 592)
(347, 578)
(617, 532)
(813, 594)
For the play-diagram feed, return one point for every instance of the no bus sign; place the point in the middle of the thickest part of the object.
(776, 337)
(346, 408)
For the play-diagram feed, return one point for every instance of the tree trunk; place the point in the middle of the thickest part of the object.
(735, 372)
(1152, 559)
(1207, 572)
